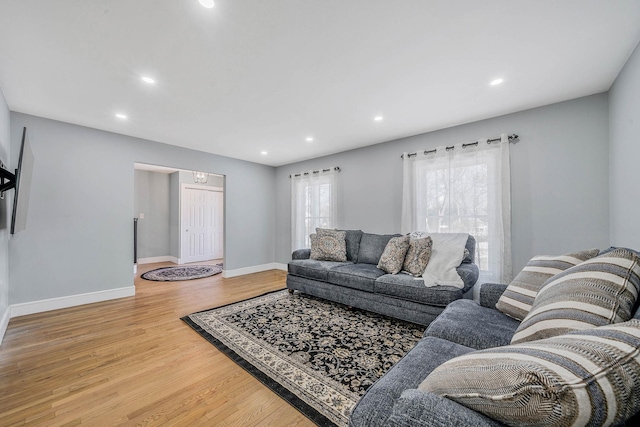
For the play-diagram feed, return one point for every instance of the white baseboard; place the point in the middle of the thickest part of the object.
(4, 322)
(32, 307)
(154, 259)
(253, 269)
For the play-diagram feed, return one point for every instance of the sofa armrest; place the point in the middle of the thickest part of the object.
(301, 254)
(420, 408)
(469, 274)
(490, 294)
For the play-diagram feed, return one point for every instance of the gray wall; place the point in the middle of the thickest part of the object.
(174, 215)
(213, 181)
(624, 162)
(79, 235)
(152, 198)
(559, 176)
(5, 208)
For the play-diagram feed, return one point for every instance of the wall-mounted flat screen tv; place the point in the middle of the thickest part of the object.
(21, 181)
(23, 185)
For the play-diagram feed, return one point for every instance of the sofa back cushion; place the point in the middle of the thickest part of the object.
(372, 246)
(353, 244)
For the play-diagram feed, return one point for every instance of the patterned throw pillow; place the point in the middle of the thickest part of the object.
(589, 377)
(417, 256)
(329, 247)
(597, 292)
(517, 299)
(393, 256)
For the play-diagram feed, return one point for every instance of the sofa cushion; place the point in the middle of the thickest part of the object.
(330, 245)
(392, 257)
(411, 288)
(417, 257)
(458, 323)
(516, 301)
(312, 269)
(357, 276)
(353, 244)
(419, 408)
(375, 406)
(597, 292)
(372, 246)
(589, 377)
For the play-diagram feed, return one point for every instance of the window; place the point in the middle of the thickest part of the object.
(464, 190)
(313, 205)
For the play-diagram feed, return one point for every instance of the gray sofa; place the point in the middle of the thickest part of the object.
(359, 283)
(394, 400)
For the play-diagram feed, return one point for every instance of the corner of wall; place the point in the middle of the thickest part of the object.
(5, 152)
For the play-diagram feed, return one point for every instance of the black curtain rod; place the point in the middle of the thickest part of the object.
(307, 173)
(512, 138)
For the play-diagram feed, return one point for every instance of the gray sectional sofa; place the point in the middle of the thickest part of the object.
(463, 327)
(395, 401)
(359, 283)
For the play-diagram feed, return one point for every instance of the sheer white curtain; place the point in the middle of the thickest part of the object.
(464, 190)
(314, 203)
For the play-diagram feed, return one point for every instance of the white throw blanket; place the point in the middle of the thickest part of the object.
(447, 253)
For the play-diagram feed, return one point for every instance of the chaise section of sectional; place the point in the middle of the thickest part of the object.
(464, 326)
(375, 407)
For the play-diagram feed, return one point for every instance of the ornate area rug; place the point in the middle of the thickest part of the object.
(171, 274)
(319, 356)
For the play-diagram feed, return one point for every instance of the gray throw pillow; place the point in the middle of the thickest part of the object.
(417, 256)
(517, 299)
(394, 253)
(597, 292)
(329, 247)
(589, 377)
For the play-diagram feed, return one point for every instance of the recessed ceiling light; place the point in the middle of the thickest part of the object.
(309, 139)
(121, 116)
(264, 153)
(149, 80)
(207, 3)
(378, 118)
(496, 82)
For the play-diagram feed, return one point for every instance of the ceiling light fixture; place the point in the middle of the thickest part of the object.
(121, 116)
(309, 139)
(264, 153)
(496, 82)
(378, 118)
(207, 3)
(200, 177)
(149, 80)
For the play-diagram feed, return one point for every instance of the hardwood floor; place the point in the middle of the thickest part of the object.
(132, 361)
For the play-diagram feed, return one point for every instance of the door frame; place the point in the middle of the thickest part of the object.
(185, 185)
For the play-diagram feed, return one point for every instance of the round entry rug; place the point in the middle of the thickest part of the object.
(172, 274)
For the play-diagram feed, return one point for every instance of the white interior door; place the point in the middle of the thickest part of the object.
(202, 224)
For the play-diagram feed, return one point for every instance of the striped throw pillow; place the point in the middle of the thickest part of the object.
(517, 299)
(600, 291)
(589, 377)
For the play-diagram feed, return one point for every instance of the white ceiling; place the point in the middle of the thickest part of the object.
(254, 75)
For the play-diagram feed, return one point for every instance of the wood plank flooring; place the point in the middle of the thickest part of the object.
(133, 362)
